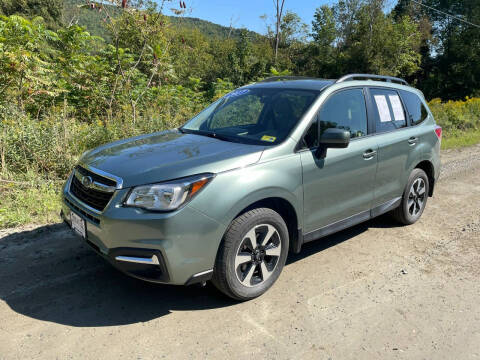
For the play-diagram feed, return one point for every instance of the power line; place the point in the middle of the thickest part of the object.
(447, 14)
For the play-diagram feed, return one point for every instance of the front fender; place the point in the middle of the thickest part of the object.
(232, 191)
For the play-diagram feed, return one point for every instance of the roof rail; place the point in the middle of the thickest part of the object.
(371, 77)
(286, 78)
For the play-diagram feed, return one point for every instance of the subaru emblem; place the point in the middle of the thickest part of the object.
(87, 181)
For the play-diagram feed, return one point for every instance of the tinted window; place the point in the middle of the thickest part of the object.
(254, 115)
(390, 114)
(345, 110)
(415, 107)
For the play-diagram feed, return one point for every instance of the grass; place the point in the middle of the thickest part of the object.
(460, 139)
(29, 202)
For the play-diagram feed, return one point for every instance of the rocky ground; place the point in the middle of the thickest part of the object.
(375, 291)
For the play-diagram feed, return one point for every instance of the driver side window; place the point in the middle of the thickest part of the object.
(345, 110)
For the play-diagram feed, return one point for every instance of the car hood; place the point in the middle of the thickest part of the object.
(169, 155)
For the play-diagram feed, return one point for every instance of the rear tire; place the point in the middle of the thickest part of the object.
(252, 254)
(414, 198)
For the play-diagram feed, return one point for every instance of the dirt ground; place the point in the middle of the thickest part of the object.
(375, 291)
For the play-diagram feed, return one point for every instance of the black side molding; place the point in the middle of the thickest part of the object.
(350, 221)
(386, 207)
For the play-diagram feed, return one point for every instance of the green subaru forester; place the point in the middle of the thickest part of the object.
(261, 171)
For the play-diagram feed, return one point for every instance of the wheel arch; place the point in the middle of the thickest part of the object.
(427, 166)
(286, 209)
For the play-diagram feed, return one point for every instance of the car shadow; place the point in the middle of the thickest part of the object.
(49, 274)
(318, 245)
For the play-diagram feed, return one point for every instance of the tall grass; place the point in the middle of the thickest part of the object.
(460, 121)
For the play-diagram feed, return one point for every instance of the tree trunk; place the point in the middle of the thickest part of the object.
(278, 17)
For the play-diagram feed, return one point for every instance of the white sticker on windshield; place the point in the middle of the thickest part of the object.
(236, 93)
(382, 107)
(398, 113)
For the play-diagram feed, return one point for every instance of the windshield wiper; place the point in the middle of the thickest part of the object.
(207, 133)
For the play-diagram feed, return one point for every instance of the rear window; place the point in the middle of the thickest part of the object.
(390, 114)
(416, 110)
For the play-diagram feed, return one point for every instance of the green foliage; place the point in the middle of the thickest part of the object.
(456, 116)
(460, 121)
(49, 10)
(451, 48)
(52, 146)
(358, 36)
(25, 62)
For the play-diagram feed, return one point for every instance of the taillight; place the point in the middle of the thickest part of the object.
(438, 131)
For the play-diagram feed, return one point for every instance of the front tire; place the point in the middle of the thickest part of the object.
(252, 254)
(414, 198)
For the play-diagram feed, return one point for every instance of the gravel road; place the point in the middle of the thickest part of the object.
(375, 291)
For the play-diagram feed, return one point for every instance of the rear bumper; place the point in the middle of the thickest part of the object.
(176, 248)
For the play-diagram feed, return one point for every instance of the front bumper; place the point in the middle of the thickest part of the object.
(185, 241)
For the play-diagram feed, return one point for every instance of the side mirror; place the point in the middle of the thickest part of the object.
(332, 138)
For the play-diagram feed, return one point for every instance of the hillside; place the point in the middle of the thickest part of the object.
(94, 23)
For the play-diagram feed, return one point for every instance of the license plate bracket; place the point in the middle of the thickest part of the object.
(78, 225)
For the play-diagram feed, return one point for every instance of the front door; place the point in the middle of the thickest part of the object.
(341, 185)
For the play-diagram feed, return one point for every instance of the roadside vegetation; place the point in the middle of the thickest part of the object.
(64, 91)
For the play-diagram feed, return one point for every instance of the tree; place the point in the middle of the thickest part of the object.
(357, 36)
(292, 29)
(140, 31)
(455, 57)
(324, 26)
(26, 62)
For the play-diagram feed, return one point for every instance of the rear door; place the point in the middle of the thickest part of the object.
(417, 115)
(341, 185)
(396, 142)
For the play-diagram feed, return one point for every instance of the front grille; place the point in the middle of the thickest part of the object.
(84, 213)
(92, 197)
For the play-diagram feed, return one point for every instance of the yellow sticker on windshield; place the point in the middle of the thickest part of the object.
(269, 138)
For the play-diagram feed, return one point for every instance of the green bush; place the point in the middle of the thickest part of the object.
(52, 145)
(460, 121)
(457, 115)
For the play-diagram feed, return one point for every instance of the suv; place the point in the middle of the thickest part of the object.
(261, 171)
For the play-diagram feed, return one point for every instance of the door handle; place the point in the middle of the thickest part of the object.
(369, 154)
(412, 140)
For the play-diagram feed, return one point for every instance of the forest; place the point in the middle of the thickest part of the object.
(75, 74)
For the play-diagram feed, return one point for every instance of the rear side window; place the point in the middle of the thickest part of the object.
(390, 114)
(415, 107)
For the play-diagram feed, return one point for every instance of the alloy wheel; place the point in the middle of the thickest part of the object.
(416, 197)
(258, 255)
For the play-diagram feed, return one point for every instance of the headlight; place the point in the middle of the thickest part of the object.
(167, 196)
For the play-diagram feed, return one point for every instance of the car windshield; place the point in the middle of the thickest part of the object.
(253, 115)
